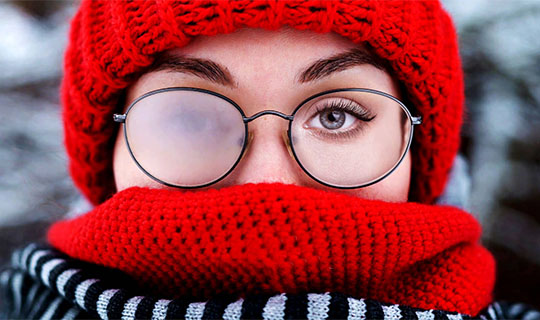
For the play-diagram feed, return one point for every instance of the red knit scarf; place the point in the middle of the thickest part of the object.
(275, 238)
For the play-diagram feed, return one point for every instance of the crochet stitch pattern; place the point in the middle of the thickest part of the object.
(113, 42)
(275, 238)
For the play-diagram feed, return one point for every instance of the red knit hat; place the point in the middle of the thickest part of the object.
(113, 42)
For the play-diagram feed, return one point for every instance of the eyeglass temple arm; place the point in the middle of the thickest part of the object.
(121, 118)
(416, 120)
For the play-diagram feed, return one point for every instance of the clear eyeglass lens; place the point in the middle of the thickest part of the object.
(350, 138)
(185, 138)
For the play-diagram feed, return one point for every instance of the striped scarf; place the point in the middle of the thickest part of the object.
(42, 283)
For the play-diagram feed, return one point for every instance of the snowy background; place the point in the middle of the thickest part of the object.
(501, 57)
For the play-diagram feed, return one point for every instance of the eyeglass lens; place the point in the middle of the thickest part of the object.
(344, 139)
(185, 138)
(350, 138)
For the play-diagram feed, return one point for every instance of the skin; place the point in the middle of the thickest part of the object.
(264, 65)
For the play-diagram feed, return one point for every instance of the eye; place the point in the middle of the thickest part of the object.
(338, 114)
(332, 119)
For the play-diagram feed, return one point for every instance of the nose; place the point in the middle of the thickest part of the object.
(267, 158)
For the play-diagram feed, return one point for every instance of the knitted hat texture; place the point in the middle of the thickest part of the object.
(113, 42)
(274, 238)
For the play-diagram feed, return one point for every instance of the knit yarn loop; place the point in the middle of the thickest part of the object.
(272, 238)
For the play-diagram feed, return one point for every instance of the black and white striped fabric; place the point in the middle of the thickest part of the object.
(42, 283)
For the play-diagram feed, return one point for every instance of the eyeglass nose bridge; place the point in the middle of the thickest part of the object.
(265, 112)
(285, 136)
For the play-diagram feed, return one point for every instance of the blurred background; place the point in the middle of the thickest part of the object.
(501, 138)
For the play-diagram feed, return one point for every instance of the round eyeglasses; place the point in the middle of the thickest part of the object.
(188, 137)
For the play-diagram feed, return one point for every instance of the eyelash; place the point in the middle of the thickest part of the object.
(350, 107)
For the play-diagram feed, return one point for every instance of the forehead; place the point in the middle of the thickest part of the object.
(265, 55)
(273, 62)
(285, 42)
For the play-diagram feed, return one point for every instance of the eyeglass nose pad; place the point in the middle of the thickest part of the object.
(249, 139)
(287, 142)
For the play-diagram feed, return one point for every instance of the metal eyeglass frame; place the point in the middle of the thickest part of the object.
(121, 118)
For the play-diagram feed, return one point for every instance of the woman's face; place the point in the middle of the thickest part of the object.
(262, 70)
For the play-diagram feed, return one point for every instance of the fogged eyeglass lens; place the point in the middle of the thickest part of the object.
(350, 138)
(185, 138)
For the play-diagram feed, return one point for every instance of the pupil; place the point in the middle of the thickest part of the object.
(332, 119)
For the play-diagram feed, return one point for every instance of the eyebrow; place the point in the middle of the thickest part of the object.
(340, 62)
(219, 74)
(203, 68)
